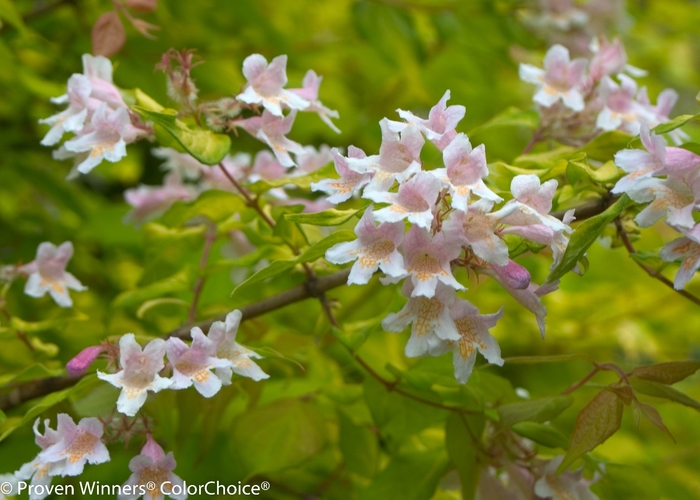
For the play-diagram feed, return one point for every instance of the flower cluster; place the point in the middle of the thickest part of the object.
(101, 122)
(668, 180)
(64, 452)
(208, 363)
(453, 223)
(578, 99)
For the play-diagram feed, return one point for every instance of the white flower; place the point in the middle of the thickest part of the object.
(47, 273)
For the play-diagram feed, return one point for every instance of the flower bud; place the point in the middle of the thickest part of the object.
(514, 275)
(79, 364)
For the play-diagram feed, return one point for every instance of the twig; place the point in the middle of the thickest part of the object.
(41, 387)
(588, 210)
(535, 139)
(209, 238)
(651, 272)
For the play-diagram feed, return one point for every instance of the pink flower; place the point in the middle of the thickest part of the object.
(98, 69)
(152, 470)
(272, 130)
(676, 198)
(478, 229)
(430, 319)
(309, 92)
(399, 157)
(442, 120)
(561, 79)
(343, 188)
(530, 297)
(39, 471)
(139, 373)
(80, 363)
(76, 445)
(427, 261)
(608, 59)
(223, 336)
(106, 139)
(150, 202)
(193, 364)
(686, 249)
(266, 85)
(513, 274)
(72, 119)
(414, 201)
(473, 329)
(465, 168)
(620, 109)
(374, 248)
(47, 273)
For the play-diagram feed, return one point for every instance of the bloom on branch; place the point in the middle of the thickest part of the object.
(223, 336)
(343, 188)
(561, 79)
(309, 92)
(193, 364)
(272, 130)
(39, 471)
(686, 249)
(47, 273)
(442, 120)
(76, 445)
(620, 109)
(375, 248)
(139, 373)
(473, 329)
(465, 169)
(675, 198)
(151, 469)
(266, 85)
(427, 261)
(430, 319)
(415, 201)
(565, 486)
(152, 201)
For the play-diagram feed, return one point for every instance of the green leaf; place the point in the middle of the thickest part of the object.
(596, 422)
(215, 205)
(151, 304)
(31, 372)
(204, 145)
(314, 252)
(538, 410)
(658, 390)
(462, 438)
(677, 122)
(510, 117)
(278, 435)
(547, 160)
(585, 235)
(667, 373)
(604, 146)
(47, 324)
(178, 282)
(409, 476)
(359, 446)
(302, 182)
(9, 13)
(330, 217)
(542, 434)
(693, 147)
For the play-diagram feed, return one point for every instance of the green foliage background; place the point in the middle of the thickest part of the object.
(320, 426)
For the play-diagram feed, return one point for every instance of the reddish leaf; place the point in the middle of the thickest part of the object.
(653, 416)
(142, 5)
(625, 393)
(667, 373)
(108, 35)
(599, 420)
(658, 390)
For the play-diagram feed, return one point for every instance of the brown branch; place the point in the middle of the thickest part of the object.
(41, 387)
(651, 272)
(588, 210)
(209, 239)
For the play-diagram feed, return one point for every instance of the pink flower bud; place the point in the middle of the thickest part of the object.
(152, 449)
(79, 364)
(514, 275)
